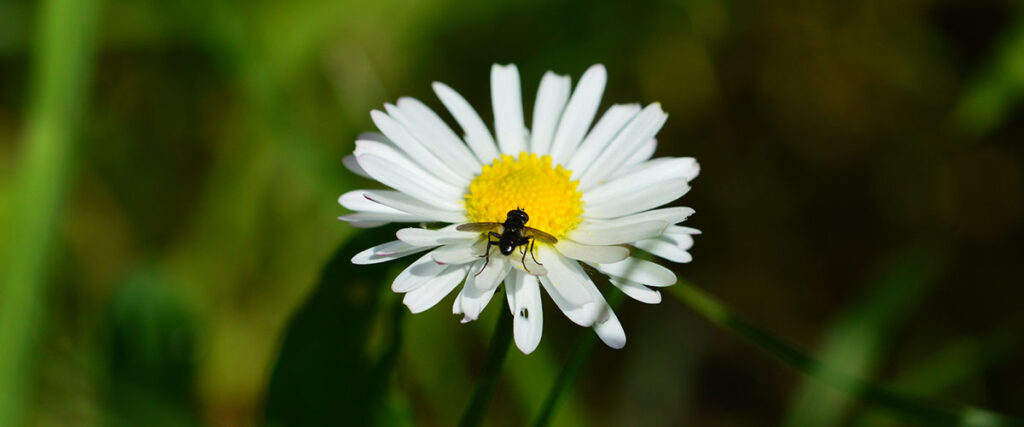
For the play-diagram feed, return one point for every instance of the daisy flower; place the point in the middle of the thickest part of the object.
(594, 189)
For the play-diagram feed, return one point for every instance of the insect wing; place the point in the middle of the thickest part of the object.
(540, 235)
(478, 226)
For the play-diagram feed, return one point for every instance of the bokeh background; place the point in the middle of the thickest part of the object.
(861, 195)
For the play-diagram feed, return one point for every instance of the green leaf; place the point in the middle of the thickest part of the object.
(324, 373)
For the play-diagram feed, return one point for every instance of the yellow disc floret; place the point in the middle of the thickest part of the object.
(546, 193)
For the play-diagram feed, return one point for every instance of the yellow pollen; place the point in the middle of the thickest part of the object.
(546, 193)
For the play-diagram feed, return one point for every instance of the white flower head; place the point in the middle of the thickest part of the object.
(591, 193)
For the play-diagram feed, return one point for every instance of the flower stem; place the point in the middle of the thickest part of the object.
(567, 377)
(497, 351)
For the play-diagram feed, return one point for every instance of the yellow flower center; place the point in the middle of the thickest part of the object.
(529, 183)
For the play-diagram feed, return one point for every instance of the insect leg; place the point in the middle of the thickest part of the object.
(533, 244)
(487, 252)
(524, 255)
(486, 256)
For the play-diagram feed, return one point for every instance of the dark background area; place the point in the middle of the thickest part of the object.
(861, 194)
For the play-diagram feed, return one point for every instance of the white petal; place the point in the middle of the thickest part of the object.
(639, 130)
(638, 200)
(677, 229)
(528, 265)
(590, 253)
(637, 291)
(611, 123)
(566, 276)
(437, 136)
(477, 137)
(480, 288)
(411, 181)
(684, 241)
(405, 203)
(579, 114)
(351, 164)
(609, 233)
(457, 254)
(651, 174)
(386, 252)
(665, 248)
(585, 314)
(395, 172)
(417, 274)
(356, 200)
(525, 304)
(507, 99)
(371, 214)
(689, 168)
(432, 292)
(640, 271)
(473, 301)
(680, 236)
(415, 149)
(472, 268)
(382, 148)
(424, 237)
(610, 331)
(642, 154)
(376, 219)
(359, 222)
(493, 273)
(375, 137)
(547, 109)
(673, 215)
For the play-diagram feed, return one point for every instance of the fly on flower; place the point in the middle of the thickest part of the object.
(514, 233)
(589, 192)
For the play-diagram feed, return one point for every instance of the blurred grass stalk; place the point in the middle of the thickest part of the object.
(497, 352)
(857, 340)
(61, 69)
(952, 365)
(990, 99)
(907, 407)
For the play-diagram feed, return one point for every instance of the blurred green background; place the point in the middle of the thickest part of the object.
(169, 170)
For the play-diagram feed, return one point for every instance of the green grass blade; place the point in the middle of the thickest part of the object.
(991, 98)
(63, 58)
(566, 378)
(856, 340)
(580, 353)
(955, 363)
(897, 404)
(534, 372)
(497, 352)
(962, 360)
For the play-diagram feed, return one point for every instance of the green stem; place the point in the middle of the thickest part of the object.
(60, 75)
(566, 378)
(497, 351)
(898, 404)
(580, 353)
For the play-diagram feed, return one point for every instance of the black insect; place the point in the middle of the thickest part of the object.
(514, 233)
